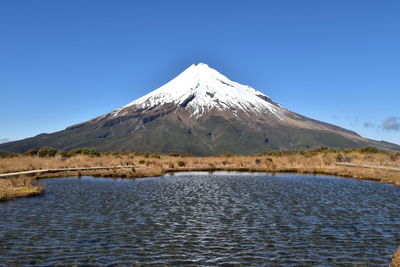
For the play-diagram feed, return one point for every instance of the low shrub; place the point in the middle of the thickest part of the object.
(333, 150)
(5, 154)
(394, 156)
(319, 149)
(179, 155)
(46, 151)
(84, 151)
(275, 153)
(143, 154)
(181, 163)
(368, 149)
(64, 155)
(31, 152)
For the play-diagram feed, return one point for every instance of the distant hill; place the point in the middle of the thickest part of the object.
(4, 140)
(200, 112)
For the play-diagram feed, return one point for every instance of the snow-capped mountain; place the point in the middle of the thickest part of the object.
(200, 112)
(201, 89)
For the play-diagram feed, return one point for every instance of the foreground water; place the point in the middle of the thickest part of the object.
(203, 219)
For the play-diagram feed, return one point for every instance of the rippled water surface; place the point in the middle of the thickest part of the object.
(203, 219)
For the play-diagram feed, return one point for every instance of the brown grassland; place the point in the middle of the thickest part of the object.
(317, 161)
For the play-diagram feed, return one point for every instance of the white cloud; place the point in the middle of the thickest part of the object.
(391, 124)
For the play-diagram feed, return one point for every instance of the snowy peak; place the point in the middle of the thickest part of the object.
(200, 89)
(203, 113)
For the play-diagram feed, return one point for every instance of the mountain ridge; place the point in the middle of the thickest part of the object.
(200, 112)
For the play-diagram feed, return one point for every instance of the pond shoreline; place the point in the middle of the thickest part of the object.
(157, 173)
(362, 164)
(16, 191)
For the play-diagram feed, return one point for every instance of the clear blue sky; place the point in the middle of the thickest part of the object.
(65, 61)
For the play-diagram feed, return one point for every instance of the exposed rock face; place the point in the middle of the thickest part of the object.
(203, 113)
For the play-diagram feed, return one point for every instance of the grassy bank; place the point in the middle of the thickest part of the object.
(317, 161)
(396, 259)
(19, 187)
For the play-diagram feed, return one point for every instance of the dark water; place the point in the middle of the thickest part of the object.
(203, 219)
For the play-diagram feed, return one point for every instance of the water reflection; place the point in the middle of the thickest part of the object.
(203, 219)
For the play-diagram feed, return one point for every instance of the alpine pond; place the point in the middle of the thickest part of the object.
(201, 218)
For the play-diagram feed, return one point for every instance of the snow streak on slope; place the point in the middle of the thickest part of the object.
(200, 89)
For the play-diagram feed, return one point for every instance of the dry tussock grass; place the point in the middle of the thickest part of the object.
(156, 164)
(396, 259)
(19, 187)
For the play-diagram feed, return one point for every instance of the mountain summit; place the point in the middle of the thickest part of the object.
(200, 112)
(201, 89)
